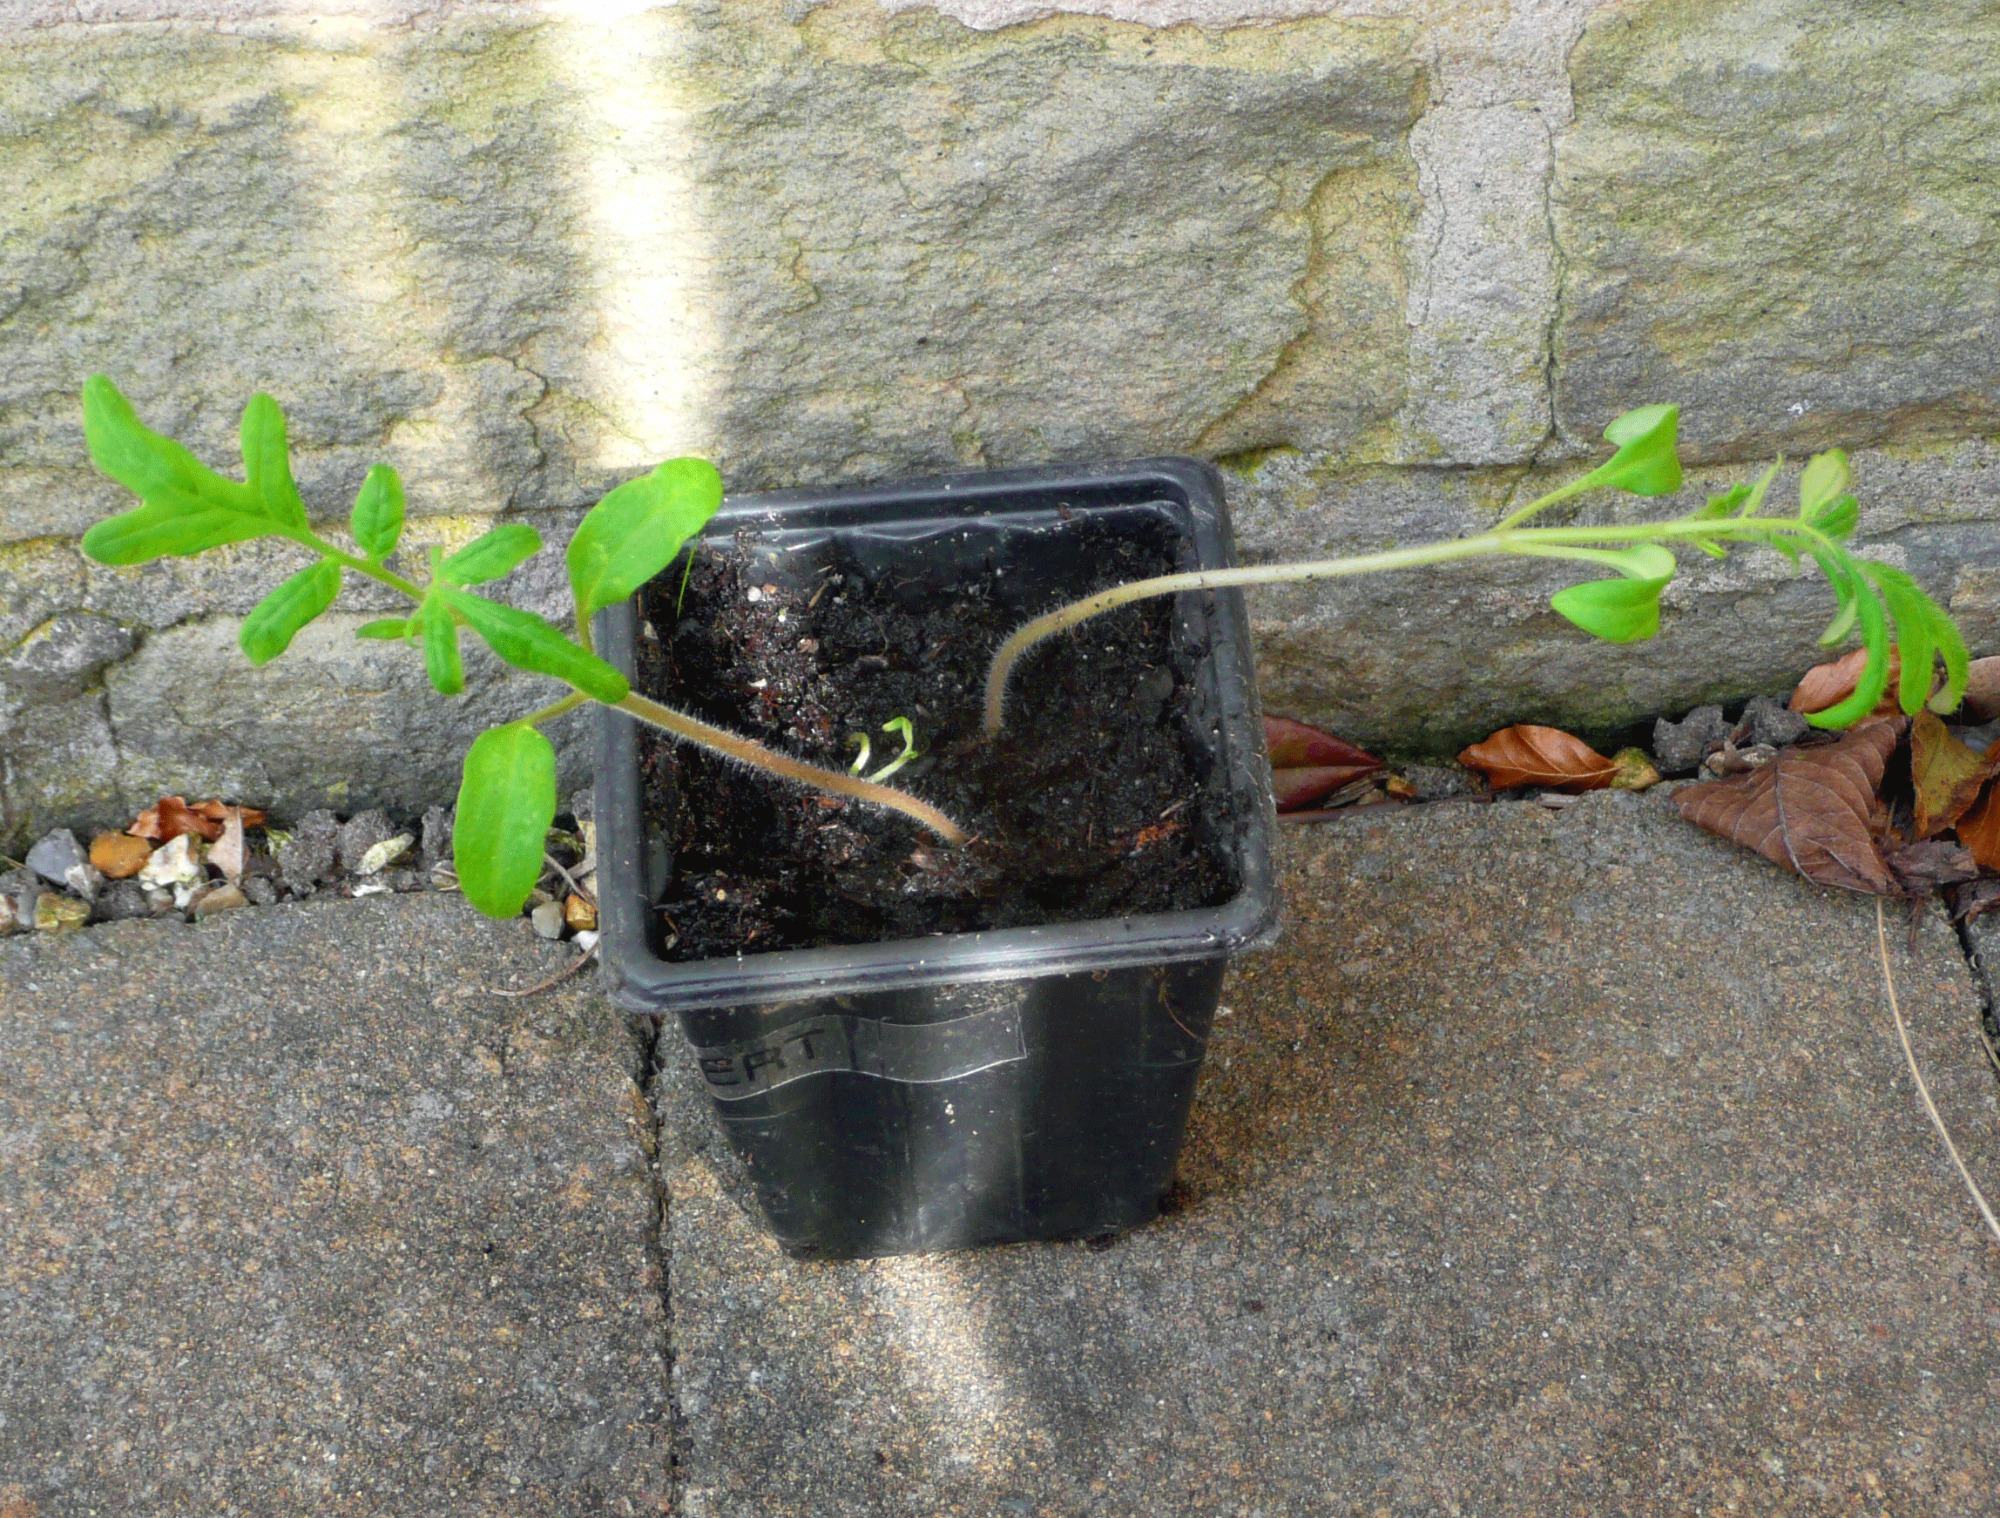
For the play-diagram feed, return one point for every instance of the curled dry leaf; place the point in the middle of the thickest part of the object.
(1307, 763)
(1947, 775)
(1815, 809)
(1525, 754)
(1827, 685)
(1931, 865)
(171, 816)
(1979, 828)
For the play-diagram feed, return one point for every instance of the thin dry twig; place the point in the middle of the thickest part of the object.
(543, 985)
(1924, 1091)
(570, 881)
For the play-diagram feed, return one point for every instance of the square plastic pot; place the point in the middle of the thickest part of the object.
(975, 1088)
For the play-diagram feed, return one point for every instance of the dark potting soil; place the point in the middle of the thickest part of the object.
(1091, 804)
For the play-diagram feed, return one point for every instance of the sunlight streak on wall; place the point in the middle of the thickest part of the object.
(647, 252)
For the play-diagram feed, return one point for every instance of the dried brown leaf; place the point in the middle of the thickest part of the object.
(1814, 809)
(1525, 754)
(1982, 689)
(1827, 685)
(171, 816)
(1946, 774)
(1979, 828)
(1307, 763)
(1930, 865)
(218, 811)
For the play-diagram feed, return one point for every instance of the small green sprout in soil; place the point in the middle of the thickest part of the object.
(863, 748)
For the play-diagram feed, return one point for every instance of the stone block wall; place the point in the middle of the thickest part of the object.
(1391, 262)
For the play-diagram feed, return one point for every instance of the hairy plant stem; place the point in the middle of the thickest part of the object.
(689, 729)
(1585, 543)
(553, 710)
(748, 751)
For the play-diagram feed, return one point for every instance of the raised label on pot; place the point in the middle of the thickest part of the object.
(913, 1053)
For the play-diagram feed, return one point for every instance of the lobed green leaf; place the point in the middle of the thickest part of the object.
(386, 629)
(1874, 626)
(1625, 610)
(1753, 496)
(1823, 481)
(274, 621)
(506, 801)
(528, 642)
(160, 531)
(153, 467)
(634, 532)
(1618, 611)
(1841, 582)
(442, 661)
(1838, 518)
(377, 522)
(1645, 463)
(1725, 504)
(188, 507)
(1925, 633)
(492, 554)
(267, 462)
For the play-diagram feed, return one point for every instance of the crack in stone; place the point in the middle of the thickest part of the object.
(658, 1255)
(1558, 270)
(1982, 990)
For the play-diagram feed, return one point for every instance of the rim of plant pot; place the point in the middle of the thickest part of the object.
(1191, 493)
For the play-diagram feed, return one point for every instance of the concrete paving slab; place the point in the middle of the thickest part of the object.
(1557, 1163)
(287, 1226)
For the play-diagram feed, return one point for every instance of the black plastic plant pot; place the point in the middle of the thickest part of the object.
(973, 1088)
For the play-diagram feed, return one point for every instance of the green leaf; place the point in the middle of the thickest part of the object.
(1645, 463)
(506, 801)
(188, 508)
(377, 522)
(1645, 561)
(274, 621)
(1915, 641)
(386, 629)
(1824, 480)
(1754, 497)
(1618, 611)
(1925, 632)
(441, 657)
(153, 467)
(635, 531)
(492, 554)
(1838, 518)
(267, 462)
(528, 642)
(155, 531)
(1625, 610)
(1725, 504)
(1867, 693)
(1844, 592)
